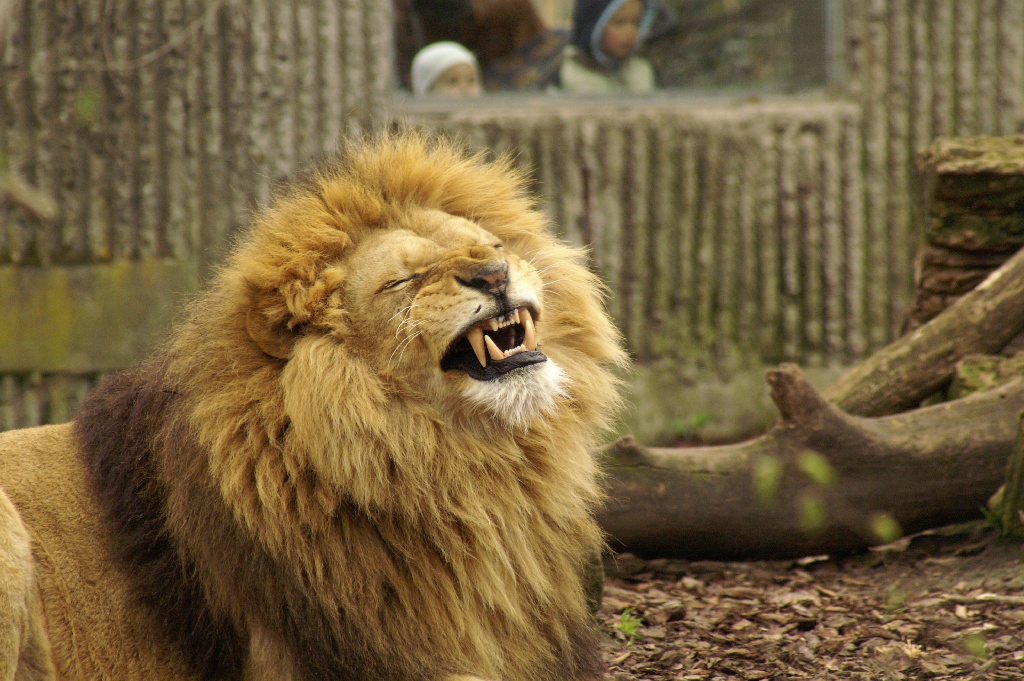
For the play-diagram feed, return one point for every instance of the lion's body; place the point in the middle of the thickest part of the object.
(93, 628)
(315, 479)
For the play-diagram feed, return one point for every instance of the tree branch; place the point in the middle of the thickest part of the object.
(36, 202)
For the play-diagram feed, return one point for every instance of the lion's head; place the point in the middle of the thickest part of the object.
(439, 279)
(439, 307)
(398, 376)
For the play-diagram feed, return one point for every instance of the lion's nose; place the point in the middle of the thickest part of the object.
(491, 277)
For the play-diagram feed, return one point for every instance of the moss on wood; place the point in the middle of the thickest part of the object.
(973, 155)
(976, 373)
(89, 318)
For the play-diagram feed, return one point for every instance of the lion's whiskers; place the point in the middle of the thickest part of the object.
(395, 351)
(403, 346)
(404, 311)
(406, 322)
(536, 254)
(409, 326)
(408, 342)
(542, 270)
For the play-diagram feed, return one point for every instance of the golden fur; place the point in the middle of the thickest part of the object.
(337, 504)
(24, 653)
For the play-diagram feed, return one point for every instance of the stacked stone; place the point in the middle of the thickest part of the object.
(974, 205)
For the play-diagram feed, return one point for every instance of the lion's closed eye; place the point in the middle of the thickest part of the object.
(398, 284)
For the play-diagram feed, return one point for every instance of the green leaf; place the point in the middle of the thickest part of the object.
(86, 105)
(812, 512)
(993, 519)
(817, 468)
(687, 426)
(975, 644)
(885, 527)
(767, 474)
(628, 625)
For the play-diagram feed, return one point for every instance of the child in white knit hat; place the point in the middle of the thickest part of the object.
(445, 68)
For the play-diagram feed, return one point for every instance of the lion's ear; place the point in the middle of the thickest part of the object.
(269, 331)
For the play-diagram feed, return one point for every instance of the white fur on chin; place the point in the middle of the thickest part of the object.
(519, 397)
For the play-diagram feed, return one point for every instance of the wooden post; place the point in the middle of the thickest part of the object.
(8, 8)
(1009, 507)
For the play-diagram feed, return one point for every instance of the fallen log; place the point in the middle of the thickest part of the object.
(820, 481)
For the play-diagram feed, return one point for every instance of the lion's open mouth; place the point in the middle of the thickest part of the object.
(495, 347)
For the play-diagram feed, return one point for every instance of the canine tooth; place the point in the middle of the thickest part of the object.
(530, 337)
(476, 339)
(516, 316)
(494, 324)
(492, 349)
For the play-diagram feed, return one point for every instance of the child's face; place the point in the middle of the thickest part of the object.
(619, 36)
(458, 80)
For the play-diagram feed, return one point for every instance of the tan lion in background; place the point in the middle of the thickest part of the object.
(364, 455)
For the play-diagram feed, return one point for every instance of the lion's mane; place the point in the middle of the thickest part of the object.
(265, 480)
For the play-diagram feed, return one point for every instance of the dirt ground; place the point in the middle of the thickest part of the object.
(945, 604)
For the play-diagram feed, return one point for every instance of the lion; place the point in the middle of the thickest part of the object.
(363, 453)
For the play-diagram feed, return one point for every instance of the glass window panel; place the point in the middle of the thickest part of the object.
(756, 46)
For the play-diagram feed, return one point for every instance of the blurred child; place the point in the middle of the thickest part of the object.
(497, 32)
(605, 37)
(445, 68)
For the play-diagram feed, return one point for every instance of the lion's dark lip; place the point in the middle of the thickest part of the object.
(494, 370)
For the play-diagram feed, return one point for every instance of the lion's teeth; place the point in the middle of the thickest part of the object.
(530, 337)
(494, 323)
(492, 349)
(514, 351)
(515, 315)
(476, 339)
